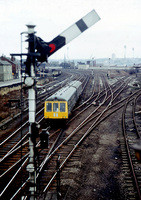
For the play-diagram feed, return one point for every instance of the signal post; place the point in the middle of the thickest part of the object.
(30, 82)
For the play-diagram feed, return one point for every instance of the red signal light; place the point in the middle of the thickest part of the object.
(53, 47)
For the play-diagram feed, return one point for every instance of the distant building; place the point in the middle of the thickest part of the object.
(91, 63)
(15, 65)
(82, 66)
(5, 71)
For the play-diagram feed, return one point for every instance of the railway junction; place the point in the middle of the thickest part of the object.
(90, 155)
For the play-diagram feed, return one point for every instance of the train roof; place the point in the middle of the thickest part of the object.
(75, 84)
(66, 92)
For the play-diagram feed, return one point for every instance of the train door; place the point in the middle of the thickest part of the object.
(55, 110)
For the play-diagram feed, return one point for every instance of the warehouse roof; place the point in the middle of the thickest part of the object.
(3, 62)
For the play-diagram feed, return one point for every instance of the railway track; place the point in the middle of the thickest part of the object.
(14, 151)
(102, 103)
(70, 140)
(131, 166)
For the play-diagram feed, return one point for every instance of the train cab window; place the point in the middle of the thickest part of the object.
(55, 107)
(49, 107)
(62, 107)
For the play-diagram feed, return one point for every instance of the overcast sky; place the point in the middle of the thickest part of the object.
(120, 26)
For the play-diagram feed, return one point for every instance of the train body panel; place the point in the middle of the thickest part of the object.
(60, 104)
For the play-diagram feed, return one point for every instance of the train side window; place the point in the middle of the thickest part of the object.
(49, 107)
(62, 107)
(55, 107)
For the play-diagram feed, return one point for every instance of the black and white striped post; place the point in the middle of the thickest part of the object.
(30, 84)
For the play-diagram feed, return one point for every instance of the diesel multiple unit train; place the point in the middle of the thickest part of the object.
(60, 104)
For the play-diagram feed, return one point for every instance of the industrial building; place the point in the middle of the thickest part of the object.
(16, 68)
(5, 71)
(83, 66)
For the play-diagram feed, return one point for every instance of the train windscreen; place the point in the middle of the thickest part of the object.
(49, 107)
(62, 107)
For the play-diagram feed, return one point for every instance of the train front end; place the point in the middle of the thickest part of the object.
(56, 110)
